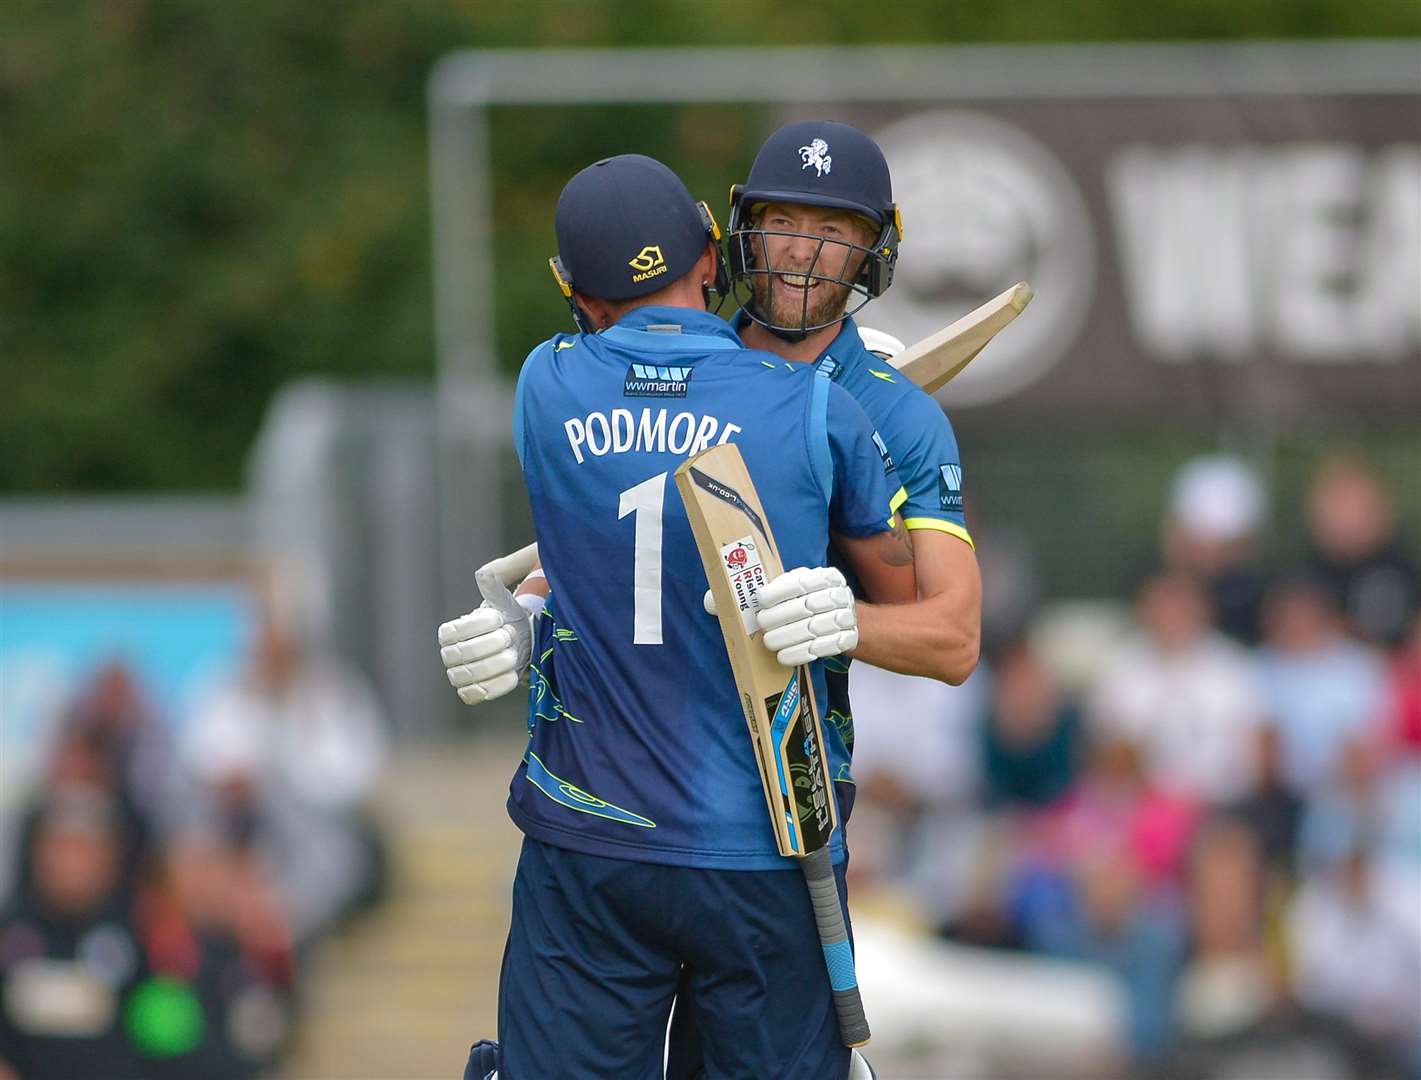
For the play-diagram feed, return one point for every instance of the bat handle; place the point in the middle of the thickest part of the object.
(497, 578)
(838, 953)
(510, 569)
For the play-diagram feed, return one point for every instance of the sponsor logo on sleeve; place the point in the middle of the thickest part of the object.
(949, 487)
(656, 380)
(883, 453)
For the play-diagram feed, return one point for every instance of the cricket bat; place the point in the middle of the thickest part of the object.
(740, 556)
(936, 360)
(933, 362)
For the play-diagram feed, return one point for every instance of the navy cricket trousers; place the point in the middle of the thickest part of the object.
(594, 953)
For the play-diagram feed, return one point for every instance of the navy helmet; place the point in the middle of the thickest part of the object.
(814, 163)
(627, 227)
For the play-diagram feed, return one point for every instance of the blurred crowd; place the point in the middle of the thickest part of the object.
(166, 877)
(1213, 794)
(1218, 800)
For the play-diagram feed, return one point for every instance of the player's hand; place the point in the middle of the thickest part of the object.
(808, 613)
(486, 652)
(876, 341)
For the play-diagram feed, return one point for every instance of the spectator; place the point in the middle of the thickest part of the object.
(1351, 957)
(1211, 531)
(1357, 553)
(1097, 877)
(1228, 985)
(112, 709)
(69, 961)
(1320, 687)
(1403, 707)
(1343, 810)
(1108, 918)
(1011, 580)
(1116, 808)
(82, 758)
(1396, 854)
(292, 750)
(1273, 809)
(1183, 692)
(1031, 738)
(909, 813)
(191, 931)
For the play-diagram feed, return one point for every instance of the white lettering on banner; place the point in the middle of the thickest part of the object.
(1308, 250)
(652, 432)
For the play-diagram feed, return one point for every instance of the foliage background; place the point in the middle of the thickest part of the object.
(200, 200)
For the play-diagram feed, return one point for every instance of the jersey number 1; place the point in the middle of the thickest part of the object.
(646, 500)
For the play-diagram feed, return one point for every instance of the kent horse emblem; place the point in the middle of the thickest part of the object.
(816, 154)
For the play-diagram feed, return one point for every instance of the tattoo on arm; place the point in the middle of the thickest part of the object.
(899, 550)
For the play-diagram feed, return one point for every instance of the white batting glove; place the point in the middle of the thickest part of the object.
(486, 652)
(808, 614)
(876, 341)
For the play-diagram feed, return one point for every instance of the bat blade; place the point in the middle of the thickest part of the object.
(739, 554)
(937, 359)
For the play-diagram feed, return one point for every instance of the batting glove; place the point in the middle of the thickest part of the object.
(808, 614)
(486, 652)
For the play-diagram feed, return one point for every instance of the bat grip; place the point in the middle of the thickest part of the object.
(510, 569)
(495, 579)
(838, 953)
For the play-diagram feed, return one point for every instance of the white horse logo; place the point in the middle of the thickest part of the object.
(816, 154)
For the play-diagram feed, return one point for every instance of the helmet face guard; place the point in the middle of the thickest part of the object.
(854, 277)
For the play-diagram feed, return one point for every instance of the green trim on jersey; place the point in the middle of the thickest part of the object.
(565, 793)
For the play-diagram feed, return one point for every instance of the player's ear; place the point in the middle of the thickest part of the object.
(598, 312)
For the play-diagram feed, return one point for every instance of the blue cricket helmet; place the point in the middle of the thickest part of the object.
(815, 163)
(628, 227)
(822, 163)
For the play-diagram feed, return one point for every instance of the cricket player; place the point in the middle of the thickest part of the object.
(814, 229)
(813, 237)
(648, 850)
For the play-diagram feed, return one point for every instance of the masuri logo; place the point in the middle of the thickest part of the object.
(648, 262)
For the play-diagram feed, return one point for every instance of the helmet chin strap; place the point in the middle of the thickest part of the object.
(793, 337)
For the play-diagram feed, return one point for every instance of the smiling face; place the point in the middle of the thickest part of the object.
(803, 246)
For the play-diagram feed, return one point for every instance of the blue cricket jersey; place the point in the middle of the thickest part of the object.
(637, 745)
(919, 442)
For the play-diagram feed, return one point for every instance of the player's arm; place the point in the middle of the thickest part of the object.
(883, 562)
(938, 636)
(865, 482)
(809, 613)
(486, 651)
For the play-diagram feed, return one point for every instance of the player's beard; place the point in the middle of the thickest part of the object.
(786, 307)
